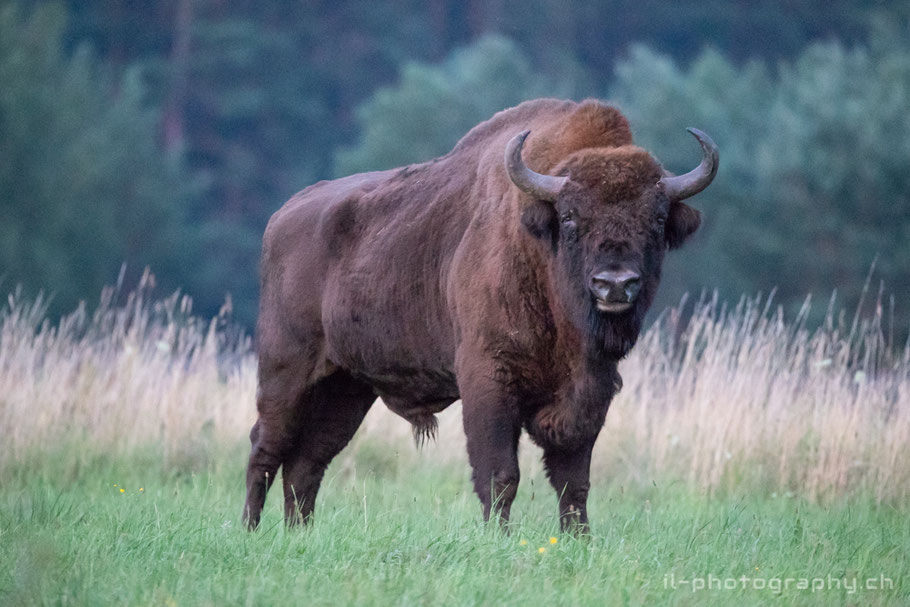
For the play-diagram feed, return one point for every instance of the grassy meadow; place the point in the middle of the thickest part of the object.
(748, 459)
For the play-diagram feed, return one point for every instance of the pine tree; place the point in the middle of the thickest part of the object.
(84, 186)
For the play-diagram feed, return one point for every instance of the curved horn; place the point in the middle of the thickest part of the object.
(696, 180)
(542, 187)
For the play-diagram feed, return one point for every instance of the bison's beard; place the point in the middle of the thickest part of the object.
(613, 335)
(606, 335)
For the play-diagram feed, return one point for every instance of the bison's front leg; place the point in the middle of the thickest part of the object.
(492, 428)
(569, 471)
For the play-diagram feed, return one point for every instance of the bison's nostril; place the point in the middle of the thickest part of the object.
(632, 288)
(616, 286)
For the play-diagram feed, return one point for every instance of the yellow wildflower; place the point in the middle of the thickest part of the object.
(541, 550)
(553, 540)
(121, 490)
(523, 542)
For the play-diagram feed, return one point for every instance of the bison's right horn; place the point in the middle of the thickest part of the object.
(542, 187)
(696, 180)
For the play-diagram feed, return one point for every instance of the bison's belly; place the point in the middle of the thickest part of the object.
(412, 388)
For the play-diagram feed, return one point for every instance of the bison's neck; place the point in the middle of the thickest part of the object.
(584, 357)
(578, 408)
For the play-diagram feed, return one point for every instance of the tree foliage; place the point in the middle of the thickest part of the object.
(433, 105)
(83, 185)
(166, 133)
(813, 186)
(249, 109)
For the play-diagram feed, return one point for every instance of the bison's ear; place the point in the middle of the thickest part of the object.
(682, 222)
(539, 218)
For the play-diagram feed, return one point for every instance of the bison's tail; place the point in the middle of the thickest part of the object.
(424, 429)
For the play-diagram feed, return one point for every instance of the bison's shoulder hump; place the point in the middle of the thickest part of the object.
(558, 128)
(590, 124)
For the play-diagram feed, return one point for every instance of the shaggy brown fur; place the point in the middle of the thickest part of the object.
(443, 280)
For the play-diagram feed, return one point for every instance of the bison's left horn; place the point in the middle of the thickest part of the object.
(696, 180)
(542, 187)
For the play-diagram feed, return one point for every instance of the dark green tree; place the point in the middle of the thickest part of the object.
(84, 186)
(813, 183)
(260, 99)
(247, 113)
(433, 105)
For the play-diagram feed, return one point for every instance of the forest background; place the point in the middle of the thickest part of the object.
(165, 134)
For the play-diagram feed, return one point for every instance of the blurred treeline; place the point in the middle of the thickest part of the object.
(166, 133)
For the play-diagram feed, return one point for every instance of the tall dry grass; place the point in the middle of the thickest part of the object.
(143, 373)
(742, 394)
(735, 395)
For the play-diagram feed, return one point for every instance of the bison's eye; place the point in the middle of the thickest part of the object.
(569, 224)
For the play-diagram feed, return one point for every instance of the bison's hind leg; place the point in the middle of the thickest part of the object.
(266, 452)
(287, 375)
(260, 474)
(271, 440)
(332, 412)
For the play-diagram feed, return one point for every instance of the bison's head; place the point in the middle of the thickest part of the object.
(609, 215)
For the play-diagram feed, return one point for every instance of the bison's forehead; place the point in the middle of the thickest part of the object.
(616, 174)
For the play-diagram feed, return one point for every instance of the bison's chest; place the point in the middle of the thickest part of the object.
(564, 404)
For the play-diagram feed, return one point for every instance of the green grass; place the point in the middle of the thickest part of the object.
(388, 534)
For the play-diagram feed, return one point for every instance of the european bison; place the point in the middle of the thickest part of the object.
(512, 273)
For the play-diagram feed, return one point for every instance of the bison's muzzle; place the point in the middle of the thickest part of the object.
(615, 290)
